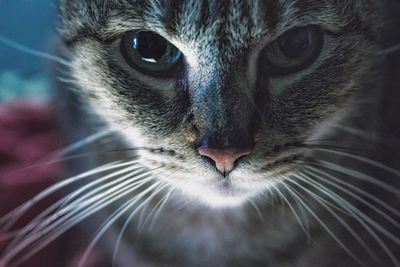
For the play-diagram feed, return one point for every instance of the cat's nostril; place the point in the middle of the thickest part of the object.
(225, 160)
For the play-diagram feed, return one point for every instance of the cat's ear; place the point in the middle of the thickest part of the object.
(82, 16)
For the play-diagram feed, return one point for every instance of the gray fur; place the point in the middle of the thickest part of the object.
(224, 89)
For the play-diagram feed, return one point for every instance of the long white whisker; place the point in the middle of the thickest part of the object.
(325, 204)
(128, 220)
(358, 132)
(82, 209)
(84, 142)
(306, 231)
(35, 223)
(256, 209)
(80, 214)
(345, 248)
(112, 219)
(125, 226)
(361, 159)
(174, 170)
(133, 170)
(359, 175)
(160, 207)
(368, 204)
(14, 215)
(159, 203)
(85, 201)
(360, 217)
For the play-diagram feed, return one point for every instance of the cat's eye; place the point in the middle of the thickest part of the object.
(150, 53)
(293, 51)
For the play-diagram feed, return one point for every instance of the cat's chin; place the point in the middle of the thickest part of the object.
(221, 193)
(218, 198)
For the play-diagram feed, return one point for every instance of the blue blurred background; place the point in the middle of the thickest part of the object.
(31, 23)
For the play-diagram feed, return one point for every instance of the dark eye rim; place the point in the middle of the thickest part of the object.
(277, 71)
(174, 71)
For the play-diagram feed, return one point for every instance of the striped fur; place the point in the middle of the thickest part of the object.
(226, 89)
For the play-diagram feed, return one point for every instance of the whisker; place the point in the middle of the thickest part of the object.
(86, 200)
(33, 52)
(303, 227)
(78, 215)
(174, 170)
(362, 159)
(133, 170)
(35, 223)
(128, 220)
(66, 80)
(360, 217)
(332, 148)
(256, 209)
(10, 218)
(158, 204)
(7, 236)
(326, 205)
(160, 207)
(59, 155)
(358, 175)
(390, 50)
(112, 219)
(84, 142)
(315, 171)
(359, 133)
(315, 216)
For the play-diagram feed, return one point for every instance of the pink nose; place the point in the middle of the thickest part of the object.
(224, 159)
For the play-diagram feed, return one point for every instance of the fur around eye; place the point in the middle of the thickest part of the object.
(150, 53)
(293, 51)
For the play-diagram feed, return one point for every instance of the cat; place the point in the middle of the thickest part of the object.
(230, 133)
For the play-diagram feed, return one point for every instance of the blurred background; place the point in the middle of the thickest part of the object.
(28, 126)
(32, 24)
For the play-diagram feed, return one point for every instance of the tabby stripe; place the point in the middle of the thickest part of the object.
(204, 13)
(173, 13)
(271, 10)
(222, 32)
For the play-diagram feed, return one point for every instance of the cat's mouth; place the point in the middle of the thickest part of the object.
(198, 181)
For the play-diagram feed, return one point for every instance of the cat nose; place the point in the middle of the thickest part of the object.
(225, 159)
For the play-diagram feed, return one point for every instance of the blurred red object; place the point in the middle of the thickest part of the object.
(28, 138)
(28, 134)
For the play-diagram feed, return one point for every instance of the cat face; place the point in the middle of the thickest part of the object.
(220, 93)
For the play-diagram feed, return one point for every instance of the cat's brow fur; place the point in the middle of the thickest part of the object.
(224, 89)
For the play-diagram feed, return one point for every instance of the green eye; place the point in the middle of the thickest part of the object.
(150, 53)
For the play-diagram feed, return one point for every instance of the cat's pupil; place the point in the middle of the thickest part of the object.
(294, 43)
(149, 45)
(150, 53)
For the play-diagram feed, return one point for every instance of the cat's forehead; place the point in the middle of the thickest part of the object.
(222, 21)
(232, 19)
(216, 26)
